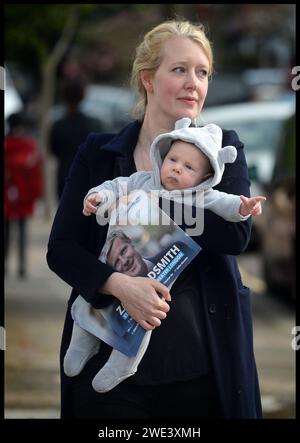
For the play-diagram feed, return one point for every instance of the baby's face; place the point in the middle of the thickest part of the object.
(184, 166)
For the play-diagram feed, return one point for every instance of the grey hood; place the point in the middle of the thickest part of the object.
(207, 138)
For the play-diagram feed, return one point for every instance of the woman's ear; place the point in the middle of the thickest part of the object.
(146, 79)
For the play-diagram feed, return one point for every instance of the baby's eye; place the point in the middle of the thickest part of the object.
(172, 159)
(189, 167)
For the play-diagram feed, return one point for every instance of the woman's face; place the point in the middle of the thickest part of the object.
(179, 86)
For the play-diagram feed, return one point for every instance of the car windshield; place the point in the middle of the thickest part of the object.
(112, 105)
(259, 135)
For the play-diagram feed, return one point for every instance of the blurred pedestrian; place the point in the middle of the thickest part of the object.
(71, 130)
(23, 184)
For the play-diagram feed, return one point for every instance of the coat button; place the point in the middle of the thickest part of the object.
(212, 308)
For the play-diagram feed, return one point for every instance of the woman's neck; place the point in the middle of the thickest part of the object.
(153, 125)
(149, 130)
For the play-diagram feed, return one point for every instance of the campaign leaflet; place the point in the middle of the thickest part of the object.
(156, 250)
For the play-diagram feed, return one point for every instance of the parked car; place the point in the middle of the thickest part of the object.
(12, 100)
(266, 83)
(259, 126)
(237, 86)
(277, 225)
(227, 87)
(112, 105)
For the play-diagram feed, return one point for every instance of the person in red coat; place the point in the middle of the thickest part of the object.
(23, 183)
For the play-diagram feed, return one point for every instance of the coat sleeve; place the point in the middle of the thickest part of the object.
(221, 236)
(68, 255)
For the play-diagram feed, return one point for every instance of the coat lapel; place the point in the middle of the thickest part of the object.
(122, 145)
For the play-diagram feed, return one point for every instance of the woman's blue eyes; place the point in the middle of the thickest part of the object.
(200, 73)
(203, 72)
(178, 69)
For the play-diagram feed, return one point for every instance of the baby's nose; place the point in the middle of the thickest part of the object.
(177, 168)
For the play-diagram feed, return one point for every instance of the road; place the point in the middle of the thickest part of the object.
(34, 316)
(273, 320)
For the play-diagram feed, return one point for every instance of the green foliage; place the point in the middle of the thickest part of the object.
(31, 30)
(34, 29)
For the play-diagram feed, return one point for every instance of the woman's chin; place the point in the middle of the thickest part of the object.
(189, 113)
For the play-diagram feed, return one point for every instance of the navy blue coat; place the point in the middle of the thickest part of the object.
(76, 241)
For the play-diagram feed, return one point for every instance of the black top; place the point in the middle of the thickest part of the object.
(178, 349)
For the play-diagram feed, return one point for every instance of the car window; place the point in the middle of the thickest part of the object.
(259, 135)
(112, 105)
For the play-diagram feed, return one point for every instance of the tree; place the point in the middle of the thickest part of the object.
(40, 35)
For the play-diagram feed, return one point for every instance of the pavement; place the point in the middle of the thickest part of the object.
(34, 316)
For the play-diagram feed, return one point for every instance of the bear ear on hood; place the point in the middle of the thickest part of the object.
(183, 123)
(227, 154)
(215, 132)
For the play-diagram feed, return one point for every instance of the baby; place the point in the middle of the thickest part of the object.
(184, 166)
(187, 158)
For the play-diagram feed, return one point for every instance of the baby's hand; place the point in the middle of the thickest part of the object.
(251, 205)
(91, 203)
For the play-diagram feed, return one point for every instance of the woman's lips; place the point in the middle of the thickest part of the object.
(188, 100)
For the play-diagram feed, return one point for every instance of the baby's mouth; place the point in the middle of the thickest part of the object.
(173, 179)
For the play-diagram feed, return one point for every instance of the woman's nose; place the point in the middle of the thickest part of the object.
(191, 81)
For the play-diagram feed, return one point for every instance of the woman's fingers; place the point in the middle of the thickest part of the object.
(154, 321)
(143, 298)
(145, 325)
(150, 324)
(160, 314)
(162, 290)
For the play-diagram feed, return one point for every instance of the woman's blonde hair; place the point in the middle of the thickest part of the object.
(148, 54)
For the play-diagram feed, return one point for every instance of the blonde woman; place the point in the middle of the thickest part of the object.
(200, 362)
